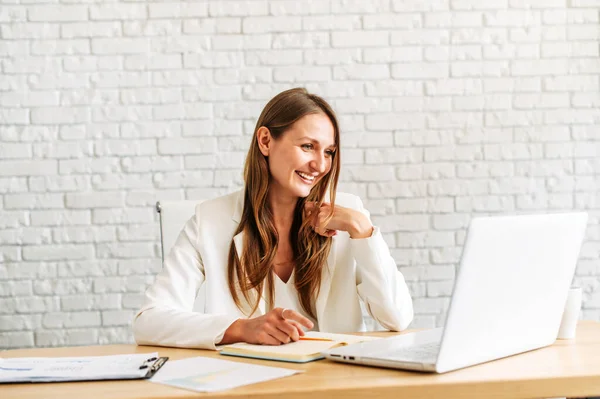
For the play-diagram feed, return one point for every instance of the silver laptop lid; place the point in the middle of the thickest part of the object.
(511, 286)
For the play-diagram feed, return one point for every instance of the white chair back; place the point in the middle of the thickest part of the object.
(173, 216)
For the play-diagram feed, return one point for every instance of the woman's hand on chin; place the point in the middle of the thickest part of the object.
(327, 220)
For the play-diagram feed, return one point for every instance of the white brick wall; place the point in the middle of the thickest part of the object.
(449, 108)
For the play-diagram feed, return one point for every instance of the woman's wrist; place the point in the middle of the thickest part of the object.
(234, 333)
(360, 228)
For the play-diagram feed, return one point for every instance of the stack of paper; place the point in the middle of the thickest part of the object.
(203, 374)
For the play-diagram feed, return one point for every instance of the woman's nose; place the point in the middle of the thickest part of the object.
(319, 163)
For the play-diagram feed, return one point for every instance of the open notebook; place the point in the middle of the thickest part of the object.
(297, 352)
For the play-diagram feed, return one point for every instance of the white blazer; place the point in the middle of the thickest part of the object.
(356, 269)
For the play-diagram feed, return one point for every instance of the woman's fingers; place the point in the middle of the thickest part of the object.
(289, 330)
(297, 317)
(277, 334)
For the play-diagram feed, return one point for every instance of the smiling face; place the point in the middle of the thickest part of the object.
(301, 157)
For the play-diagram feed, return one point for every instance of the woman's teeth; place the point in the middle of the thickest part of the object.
(306, 177)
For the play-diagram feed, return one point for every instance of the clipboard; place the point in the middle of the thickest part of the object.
(89, 368)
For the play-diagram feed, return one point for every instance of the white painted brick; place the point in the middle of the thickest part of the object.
(454, 221)
(122, 215)
(585, 100)
(94, 200)
(90, 29)
(17, 340)
(30, 99)
(454, 187)
(28, 270)
(30, 31)
(118, 11)
(239, 42)
(71, 320)
(138, 232)
(425, 205)
(394, 88)
(415, 5)
(420, 70)
(14, 116)
(15, 288)
(36, 304)
(358, 6)
(126, 250)
(77, 166)
(125, 147)
(190, 178)
(28, 168)
(55, 252)
(122, 181)
(84, 234)
(87, 268)
(152, 28)
(33, 201)
(13, 13)
(429, 239)
(213, 25)
(369, 173)
(396, 120)
(92, 63)
(326, 23)
(62, 287)
(197, 145)
(290, 7)
(89, 97)
(13, 184)
(439, 288)
(119, 46)
(393, 21)
(15, 150)
(58, 115)
(47, 13)
(360, 39)
(312, 40)
(68, 46)
(90, 302)
(63, 218)
(221, 59)
(271, 24)
(117, 318)
(13, 219)
(485, 204)
(149, 129)
(155, 62)
(65, 337)
(20, 322)
(10, 253)
(397, 189)
(361, 72)
(394, 155)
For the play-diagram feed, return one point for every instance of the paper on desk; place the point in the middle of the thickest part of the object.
(204, 374)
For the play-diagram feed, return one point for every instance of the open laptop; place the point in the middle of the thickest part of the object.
(508, 297)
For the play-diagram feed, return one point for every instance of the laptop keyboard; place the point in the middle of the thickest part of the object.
(417, 353)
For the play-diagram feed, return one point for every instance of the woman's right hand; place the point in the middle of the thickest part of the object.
(269, 329)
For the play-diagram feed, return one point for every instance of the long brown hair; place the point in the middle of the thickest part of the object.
(254, 267)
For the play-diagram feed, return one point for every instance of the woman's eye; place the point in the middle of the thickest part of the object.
(307, 146)
(330, 152)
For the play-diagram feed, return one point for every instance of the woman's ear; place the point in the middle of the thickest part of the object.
(263, 137)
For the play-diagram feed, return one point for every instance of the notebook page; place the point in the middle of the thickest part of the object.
(293, 348)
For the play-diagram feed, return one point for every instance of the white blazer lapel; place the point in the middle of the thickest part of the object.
(326, 277)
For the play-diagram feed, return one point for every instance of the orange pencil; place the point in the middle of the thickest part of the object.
(314, 339)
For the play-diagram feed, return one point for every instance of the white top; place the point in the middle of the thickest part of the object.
(286, 296)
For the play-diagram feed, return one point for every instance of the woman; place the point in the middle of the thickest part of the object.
(283, 254)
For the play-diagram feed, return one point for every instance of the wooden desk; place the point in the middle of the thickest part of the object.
(567, 368)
